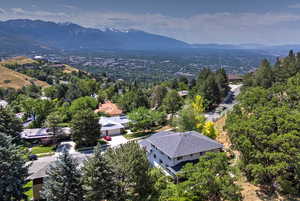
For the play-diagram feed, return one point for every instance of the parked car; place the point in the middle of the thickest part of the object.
(107, 138)
(32, 157)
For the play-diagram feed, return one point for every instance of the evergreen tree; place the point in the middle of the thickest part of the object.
(99, 180)
(10, 125)
(210, 92)
(157, 96)
(85, 128)
(209, 179)
(63, 180)
(13, 170)
(132, 168)
(264, 75)
(222, 82)
(172, 102)
(52, 121)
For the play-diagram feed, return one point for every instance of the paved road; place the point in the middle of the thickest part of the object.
(214, 116)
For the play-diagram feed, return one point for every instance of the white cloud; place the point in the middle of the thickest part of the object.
(297, 5)
(201, 28)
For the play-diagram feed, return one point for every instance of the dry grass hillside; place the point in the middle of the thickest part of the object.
(12, 79)
(18, 60)
(69, 69)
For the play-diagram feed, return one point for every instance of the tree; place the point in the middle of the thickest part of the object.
(209, 130)
(131, 165)
(145, 119)
(157, 96)
(85, 128)
(133, 99)
(191, 117)
(172, 102)
(52, 121)
(264, 75)
(10, 125)
(222, 82)
(83, 103)
(13, 170)
(63, 180)
(209, 90)
(99, 180)
(209, 179)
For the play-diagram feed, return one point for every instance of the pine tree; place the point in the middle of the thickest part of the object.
(264, 75)
(131, 165)
(63, 180)
(10, 125)
(85, 128)
(99, 180)
(13, 170)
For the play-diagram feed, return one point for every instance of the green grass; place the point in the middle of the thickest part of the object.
(137, 135)
(29, 193)
(42, 149)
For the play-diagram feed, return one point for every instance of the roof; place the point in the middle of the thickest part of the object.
(181, 144)
(114, 120)
(38, 133)
(109, 108)
(3, 103)
(108, 127)
(39, 168)
(234, 77)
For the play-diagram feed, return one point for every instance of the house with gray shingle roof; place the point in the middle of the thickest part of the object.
(171, 150)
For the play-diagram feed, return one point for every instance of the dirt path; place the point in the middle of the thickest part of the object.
(249, 191)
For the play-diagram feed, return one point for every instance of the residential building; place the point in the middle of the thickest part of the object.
(110, 109)
(38, 171)
(171, 151)
(42, 133)
(3, 103)
(111, 126)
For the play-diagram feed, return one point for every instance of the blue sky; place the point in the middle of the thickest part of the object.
(193, 21)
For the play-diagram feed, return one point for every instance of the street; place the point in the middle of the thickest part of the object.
(214, 116)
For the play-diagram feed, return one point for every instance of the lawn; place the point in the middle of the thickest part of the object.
(42, 149)
(29, 193)
(137, 135)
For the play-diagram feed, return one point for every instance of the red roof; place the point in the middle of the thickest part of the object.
(109, 108)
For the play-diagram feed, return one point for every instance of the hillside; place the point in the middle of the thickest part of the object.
(12, 79)
(18, 61)
(67, 36)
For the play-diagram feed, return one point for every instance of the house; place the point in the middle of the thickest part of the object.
(234, 78)
(3, 103)
(42, 133)
(110, 109)
(183, 93)
(38, 171)
(172, 150)
(111, 126)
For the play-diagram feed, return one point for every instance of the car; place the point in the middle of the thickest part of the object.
(107, 138)
(32, 157)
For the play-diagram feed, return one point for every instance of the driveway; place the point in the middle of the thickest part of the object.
(117, 140)
(68, 146)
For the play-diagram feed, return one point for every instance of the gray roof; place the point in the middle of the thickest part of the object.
(109, 127)
(181, 144)
(38, 168)
(114, 120)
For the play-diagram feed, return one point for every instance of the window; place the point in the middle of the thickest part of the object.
(169, 158)
(192, 155)
(179, 158)
(160, 161)
(154, 155)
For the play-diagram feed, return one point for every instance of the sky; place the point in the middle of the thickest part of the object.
(271, 22)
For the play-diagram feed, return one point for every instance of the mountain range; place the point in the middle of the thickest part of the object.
(37, 34)
(23, 35)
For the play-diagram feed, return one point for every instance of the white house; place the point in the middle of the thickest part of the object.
(111, 126)
(3, 103)
(171, 151)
